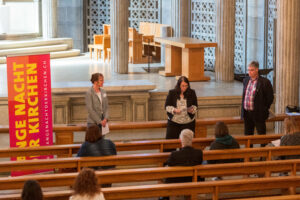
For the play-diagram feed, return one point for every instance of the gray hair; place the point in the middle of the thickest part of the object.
(186, 137)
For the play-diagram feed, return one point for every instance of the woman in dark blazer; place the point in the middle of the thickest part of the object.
(181, 106)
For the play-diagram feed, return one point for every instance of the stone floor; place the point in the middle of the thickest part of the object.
(76, 72)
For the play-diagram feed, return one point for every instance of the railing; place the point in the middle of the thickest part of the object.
(67, 150)
(64, 133)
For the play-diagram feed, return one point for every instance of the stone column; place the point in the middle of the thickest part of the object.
(119, 35)
(287, 54)
(225, 23)
(49, 17)
(180, 17)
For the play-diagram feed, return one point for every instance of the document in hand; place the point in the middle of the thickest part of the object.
(105, 129)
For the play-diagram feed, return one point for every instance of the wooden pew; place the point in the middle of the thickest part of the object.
(158, 173)
(160, 145)
(283, 197)
(144, 159)
(64, 133)
(216, 188)
(192, 189)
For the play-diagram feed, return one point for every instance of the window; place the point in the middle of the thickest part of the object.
(19, 17)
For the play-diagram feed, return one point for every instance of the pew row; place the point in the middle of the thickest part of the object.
(216, 188)
(64, 133)
(144, 159)
(283, 197)
(160, 145)
(151, 174)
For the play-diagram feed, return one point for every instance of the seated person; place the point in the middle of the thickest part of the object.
(291, 137)
(95, 145)
(223, 141)
(32, 190)
(187, 156)
(86, 186)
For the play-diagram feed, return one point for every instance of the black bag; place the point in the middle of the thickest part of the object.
(292, 109)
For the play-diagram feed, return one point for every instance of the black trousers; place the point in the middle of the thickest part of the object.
(174, 129)
(251, 122)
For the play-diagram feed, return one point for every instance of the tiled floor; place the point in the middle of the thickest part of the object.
(76, 71)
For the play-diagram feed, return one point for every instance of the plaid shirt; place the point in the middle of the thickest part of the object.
(249, 96)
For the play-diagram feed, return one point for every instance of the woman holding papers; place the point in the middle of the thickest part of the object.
(181, 106)
(97, 103)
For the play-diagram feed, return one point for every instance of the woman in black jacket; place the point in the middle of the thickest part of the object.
(95, 145)
(181, 106)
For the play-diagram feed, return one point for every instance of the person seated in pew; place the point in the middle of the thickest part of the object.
(95, 145)
(186, 156)
(291, 137)
(223, 141)
(86, 186)
(32, 191)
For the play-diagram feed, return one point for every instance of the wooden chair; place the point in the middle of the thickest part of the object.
(106, 29)
(102, 43)
(135, 44)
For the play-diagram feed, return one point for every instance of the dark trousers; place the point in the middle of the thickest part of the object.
(251, 122)
(174, 130)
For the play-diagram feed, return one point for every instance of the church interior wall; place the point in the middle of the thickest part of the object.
(70, 21)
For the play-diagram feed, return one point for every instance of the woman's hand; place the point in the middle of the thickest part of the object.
(190, 109)
(103, 122)
(176, 111)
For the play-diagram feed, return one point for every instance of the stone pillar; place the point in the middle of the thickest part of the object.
(49, 17)
(287, 54)
(119, 35)
(180, 17)
(225, 22)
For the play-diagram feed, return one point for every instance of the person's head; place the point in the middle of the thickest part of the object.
(97, 79)
(93, 133)
(221, 130)
(86, 183)
(291, 126)
(186, 137)
(183, 84)
(253, 69)
(32, 191)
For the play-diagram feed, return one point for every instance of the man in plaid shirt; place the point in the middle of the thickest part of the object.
(257, 98)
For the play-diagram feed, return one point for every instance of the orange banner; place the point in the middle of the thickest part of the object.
(29, 102)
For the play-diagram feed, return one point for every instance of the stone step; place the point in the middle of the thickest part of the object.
(65, 54)
(13, 44)
(34, 50)
(53, 55)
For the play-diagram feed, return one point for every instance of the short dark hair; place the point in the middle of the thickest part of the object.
(93, 133)
(254, 64)
(86, 183)
(221, 129)
(95, 77)
(32, 191)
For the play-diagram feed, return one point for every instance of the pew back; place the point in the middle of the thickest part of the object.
(144, 159)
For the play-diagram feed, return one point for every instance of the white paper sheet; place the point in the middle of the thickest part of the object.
(105, 129)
